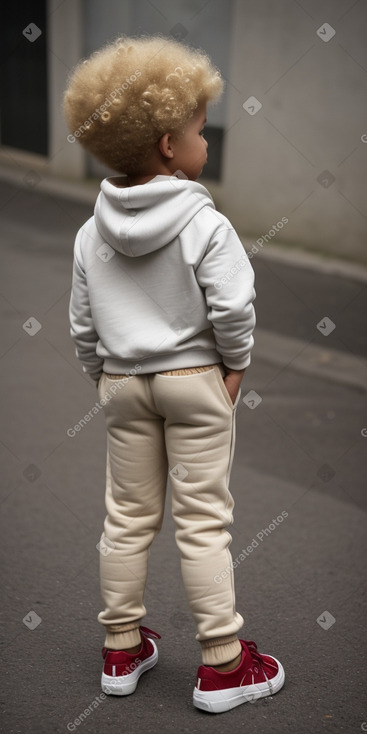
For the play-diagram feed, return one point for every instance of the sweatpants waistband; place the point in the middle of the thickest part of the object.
(172, 373)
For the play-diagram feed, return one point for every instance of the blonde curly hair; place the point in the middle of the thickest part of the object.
(125, 96)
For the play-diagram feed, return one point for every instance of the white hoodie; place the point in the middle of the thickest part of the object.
(160, 280)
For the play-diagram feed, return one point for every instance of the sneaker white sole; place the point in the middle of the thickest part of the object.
(218, 701)
(123, 685)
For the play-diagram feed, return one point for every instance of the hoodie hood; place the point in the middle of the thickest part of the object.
(137, 220)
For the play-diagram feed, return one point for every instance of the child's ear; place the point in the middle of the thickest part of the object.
(165, 145)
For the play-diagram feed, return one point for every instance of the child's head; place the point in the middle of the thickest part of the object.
(126, 96)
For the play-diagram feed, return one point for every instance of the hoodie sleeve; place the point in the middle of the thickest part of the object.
(227, 277)
(82, 328)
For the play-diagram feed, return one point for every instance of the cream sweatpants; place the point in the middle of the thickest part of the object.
(181, 423)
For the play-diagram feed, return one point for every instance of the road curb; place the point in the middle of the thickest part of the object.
(332, 365)
(295, 257)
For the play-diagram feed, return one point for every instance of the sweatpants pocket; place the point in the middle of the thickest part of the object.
(219, 374)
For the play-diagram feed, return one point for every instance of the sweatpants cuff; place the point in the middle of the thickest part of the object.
(122, 636)
(220, 650)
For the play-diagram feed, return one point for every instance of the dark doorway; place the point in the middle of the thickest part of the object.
(23, 80)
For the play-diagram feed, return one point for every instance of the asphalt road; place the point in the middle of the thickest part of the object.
(302, 450)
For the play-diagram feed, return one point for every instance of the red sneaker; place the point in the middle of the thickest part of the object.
(256, 676)
(122, 670)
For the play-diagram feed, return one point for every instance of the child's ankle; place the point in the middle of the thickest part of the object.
(231, 665)
(132, 650)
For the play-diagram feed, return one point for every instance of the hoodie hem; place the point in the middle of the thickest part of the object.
(162, 363)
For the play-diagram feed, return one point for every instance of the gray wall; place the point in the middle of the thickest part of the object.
(313, 115)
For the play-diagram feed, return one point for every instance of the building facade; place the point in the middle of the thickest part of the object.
(288, 141)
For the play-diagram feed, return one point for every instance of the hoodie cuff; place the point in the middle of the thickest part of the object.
(237, 364)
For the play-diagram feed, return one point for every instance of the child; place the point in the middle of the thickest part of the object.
(162, 318)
